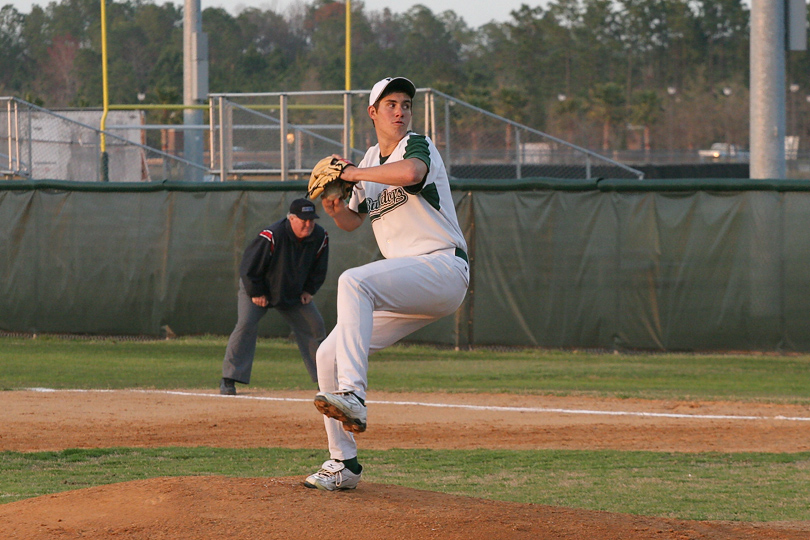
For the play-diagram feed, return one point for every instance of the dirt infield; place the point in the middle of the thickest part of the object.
(216, 507)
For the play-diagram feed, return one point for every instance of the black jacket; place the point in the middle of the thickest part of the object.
(280, 266)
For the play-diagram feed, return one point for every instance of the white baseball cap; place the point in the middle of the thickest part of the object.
(400, 84)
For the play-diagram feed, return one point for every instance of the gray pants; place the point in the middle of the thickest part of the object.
(305, 322)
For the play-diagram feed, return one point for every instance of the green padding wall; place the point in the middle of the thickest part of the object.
(712, 265)
(689, 271)
(134, 259)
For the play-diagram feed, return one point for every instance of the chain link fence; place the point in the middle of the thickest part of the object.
(282, 135)
(37, 143)
(276, 136)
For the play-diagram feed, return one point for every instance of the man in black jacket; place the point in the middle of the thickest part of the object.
(282, 268)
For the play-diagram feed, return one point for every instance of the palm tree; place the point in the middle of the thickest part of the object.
(645, 110)
(606, 105)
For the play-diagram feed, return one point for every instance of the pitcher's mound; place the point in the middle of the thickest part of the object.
(203, 508)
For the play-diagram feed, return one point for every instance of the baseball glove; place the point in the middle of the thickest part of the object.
(325, 181)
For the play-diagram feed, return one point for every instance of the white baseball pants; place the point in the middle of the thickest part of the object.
(377, 305)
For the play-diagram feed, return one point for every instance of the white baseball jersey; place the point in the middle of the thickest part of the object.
(424, 210)
(423, 277)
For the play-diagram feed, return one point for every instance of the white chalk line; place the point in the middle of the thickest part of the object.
(462, 406)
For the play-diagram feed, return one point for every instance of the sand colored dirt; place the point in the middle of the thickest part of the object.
(217, 507)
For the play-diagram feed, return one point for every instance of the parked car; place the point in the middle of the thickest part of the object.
(724, 152)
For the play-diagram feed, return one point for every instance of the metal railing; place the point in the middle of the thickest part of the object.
(42, 144)
(281, 135)
(11, 164)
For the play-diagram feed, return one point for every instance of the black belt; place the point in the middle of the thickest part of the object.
(461, 255)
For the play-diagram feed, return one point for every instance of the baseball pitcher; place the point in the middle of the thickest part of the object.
(402, 187)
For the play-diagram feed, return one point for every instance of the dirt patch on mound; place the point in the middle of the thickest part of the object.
(203, 508)
(198, 508)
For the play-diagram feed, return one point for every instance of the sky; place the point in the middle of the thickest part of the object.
(474, 12)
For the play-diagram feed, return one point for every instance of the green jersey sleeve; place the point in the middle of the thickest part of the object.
(417, 147)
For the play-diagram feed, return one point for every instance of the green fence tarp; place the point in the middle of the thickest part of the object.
(712, 265)
(642, 270)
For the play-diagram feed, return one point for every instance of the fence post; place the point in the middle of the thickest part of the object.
(426, 129)
(432, 116)
(30, 143)
(105, 167)
(447, 154)
(298, 149)
(518, 168)
(347, 123)
(463, 330)
(17, 135)
(471, 289)
(10, 163)
(211, 135)
(225, 138)
(100, 157)
(283, 130)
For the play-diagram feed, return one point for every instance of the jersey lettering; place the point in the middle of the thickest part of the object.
(388, 200)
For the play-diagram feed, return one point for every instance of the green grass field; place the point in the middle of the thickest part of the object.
(714, 486)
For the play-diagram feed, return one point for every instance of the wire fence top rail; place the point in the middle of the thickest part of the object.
(99, 131)
(295, 127)
(483, 156)
(540, 133)
(475, 142)
(229, 95)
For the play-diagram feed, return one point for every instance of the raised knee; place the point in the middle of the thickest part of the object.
(348, 279)
(351, 283)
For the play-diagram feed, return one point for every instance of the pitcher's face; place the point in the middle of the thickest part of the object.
(392, 115)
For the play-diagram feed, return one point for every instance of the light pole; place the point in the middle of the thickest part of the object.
(727, 91)
(563, 113)
(195, 87)
(804, 123)
(792, 140)
(767, 87)
(672, 91)
(794, 88)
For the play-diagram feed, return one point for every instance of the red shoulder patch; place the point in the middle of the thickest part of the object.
(323, 244)
(267, 234)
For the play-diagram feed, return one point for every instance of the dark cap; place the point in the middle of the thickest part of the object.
(303, 209)
(389, 85)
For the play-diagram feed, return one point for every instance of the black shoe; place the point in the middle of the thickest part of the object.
(227, 387)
